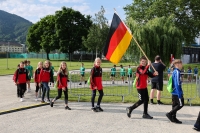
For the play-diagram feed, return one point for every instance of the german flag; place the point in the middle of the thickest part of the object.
(118, 40)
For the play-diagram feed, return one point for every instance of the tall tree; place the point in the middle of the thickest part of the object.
(42, 35)
(71, 26)
(34, 38)
(158, 36)
(186, 14)
(49, 40)
(97, 35)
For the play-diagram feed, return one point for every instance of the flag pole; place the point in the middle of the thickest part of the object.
(137, 43)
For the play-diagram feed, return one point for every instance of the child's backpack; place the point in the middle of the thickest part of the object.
(88, 81)
(169, 85)
(134, 82)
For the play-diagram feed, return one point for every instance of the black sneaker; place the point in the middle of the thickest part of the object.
(99, 109)
(160, 103)
(67, 108)
(126, 82)
(94, 109)
(196, 127)
(51, 103)
(147, 116)
(85, 82)
(169, 116)
(42, 101)
(128, 111)
(175, 120)
(80, 83)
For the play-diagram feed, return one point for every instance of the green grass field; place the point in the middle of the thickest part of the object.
(72, 65)
(130, 96)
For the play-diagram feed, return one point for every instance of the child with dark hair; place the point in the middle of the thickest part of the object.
(129, 73)
(82, 72)
(142, 74)
(122, 73)
(20, 78)
(30, 74)
(177, 93)
(36, 79)
(113, 73)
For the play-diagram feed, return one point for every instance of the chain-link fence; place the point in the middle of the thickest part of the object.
(190, 85)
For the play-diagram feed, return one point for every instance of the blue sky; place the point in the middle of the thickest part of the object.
(33, 10)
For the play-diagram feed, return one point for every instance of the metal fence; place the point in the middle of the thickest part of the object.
(118, 88)
(191, 88)
(39, 55)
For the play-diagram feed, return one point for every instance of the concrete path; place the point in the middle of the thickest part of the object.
(82, 119)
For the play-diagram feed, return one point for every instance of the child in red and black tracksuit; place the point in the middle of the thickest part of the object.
(96, 84)
(45, 76)
(36, 79)
(142, 74)
(62, 84)
(20, 78)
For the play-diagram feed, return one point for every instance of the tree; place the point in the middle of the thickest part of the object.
(34, 38)
(186, 14)
(97, 33)
(158, 36)
(71, 26)
(42, 35)
(49, 40)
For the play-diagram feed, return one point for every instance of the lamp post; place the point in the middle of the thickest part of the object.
(7, 53)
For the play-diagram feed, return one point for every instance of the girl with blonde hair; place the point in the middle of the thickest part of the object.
(96, 84)
(62, 84)
(46, 76)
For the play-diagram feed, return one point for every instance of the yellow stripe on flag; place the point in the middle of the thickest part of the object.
(121, 48)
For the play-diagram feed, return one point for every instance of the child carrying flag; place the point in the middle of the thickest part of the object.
(142, 74)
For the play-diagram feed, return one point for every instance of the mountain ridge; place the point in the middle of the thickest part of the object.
(13, 27)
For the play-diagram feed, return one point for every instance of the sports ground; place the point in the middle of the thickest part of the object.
(81, 119)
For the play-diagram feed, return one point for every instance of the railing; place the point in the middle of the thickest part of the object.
(191, 88)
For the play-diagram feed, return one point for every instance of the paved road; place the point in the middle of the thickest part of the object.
(82, 119)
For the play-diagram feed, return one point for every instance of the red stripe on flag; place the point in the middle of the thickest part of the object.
(115, 39)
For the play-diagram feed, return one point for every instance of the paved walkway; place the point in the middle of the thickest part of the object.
(82, 119)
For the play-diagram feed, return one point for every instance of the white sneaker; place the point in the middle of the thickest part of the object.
(21, 99)
(29, 90)
(36, 99)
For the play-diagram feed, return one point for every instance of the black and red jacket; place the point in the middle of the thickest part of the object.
(37, 73)
(21, 76)
(62, 80)
(142, 74)
(46, 75)
(96, 78)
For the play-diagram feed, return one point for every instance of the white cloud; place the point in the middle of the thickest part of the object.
(61, 1)
(33, 11)
(83, 8)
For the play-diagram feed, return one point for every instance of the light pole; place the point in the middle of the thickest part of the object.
(7, 53)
